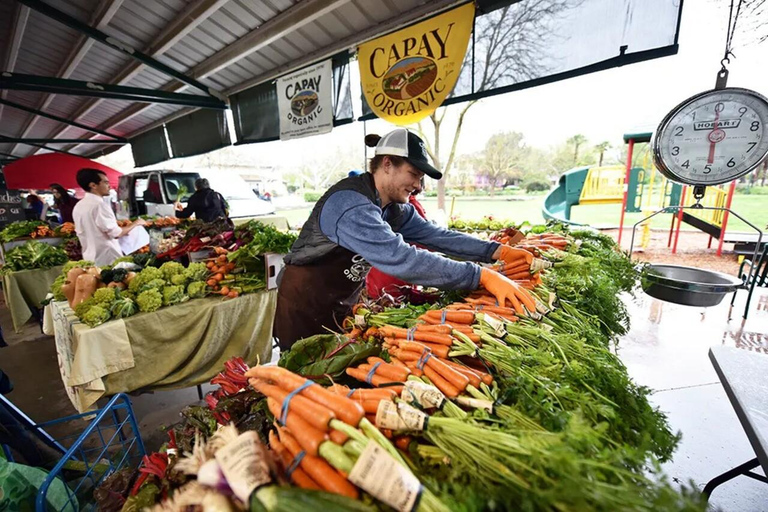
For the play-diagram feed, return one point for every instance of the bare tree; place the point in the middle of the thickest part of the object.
(502, 159)
(510, 44)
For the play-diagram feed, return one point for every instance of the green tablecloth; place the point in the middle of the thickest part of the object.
(174, 347)
(26, 289)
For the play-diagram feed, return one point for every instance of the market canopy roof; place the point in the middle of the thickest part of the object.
(92, 74)
(39, 171)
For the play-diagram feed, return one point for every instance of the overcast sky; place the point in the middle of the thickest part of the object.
(602, 106)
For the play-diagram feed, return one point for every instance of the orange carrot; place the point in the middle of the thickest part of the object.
(397, 362)
(440, 329)
(431, 337)
(318, 469)
(388, 370)
(316, 415)
(362, 376)
(487, 378)
(338, 437)
(298, 476)
(371, 406)
(307, 436)
(443, 385)
(403, 442)
(343, 408)
(459, 317)
(457, 379)
(372, 394)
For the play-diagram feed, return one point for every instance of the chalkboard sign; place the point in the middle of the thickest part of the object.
(11, 207)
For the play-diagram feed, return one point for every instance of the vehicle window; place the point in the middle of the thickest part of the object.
(140, 188)
(153, 194)
(174, 184)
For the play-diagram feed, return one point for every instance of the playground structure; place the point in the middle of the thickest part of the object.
(639, 189)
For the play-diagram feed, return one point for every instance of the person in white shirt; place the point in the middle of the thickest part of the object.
(95, 222)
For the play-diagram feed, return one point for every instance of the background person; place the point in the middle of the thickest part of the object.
(64, 202)
(206, 204)
(95, 222)
(38, 206)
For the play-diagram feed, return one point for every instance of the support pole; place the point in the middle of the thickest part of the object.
(728, 201)
(630, 149)
(679, 218)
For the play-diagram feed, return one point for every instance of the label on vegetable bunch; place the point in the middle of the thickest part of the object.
(399, 416)
(475, 403)
(495, 324)
(244, 464)
(423, 394)
(360, 320)
(380, 475)
(539, 264)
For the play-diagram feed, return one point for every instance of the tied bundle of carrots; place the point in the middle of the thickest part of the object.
(377, 372)
(41, 232)
(220, 267)
(368, 398)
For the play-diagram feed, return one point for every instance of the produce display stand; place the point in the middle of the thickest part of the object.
(175, 347)
(25, 290)
(741, 374)
(7, 246)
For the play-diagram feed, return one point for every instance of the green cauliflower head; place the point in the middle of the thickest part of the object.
(150, 300)
(197, 289)
(105, 297)
(58, 295)
(123, 308)
(96, 315)
(179, 279)
(155, 284)
(144, 277)
(82, 308)
(170, 269)
(196, 272)
(174, 295)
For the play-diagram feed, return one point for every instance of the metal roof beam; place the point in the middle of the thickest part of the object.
(190, 18)
(41, 146)
(101, 17)
(53, 117)
(116, 44)
(21, 140)
(23, 82)
(12, 51)
(8, 155)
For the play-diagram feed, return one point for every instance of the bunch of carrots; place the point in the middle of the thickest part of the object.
(42, 231)
(221, 269)
(319, 433)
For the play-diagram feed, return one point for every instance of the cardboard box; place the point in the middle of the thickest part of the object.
(273, 265)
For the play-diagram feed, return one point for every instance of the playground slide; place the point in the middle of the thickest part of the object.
(557, 204)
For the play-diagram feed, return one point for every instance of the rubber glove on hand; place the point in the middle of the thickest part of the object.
(504, 289)
(510, 255)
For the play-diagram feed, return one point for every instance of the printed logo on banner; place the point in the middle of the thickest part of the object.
(304, 101)
(408, 74)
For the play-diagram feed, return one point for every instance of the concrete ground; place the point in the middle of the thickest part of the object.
(665, 350)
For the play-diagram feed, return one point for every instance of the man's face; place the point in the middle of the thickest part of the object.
(102, 187)
(402, 181)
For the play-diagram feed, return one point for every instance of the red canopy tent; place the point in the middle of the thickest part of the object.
(39, 171)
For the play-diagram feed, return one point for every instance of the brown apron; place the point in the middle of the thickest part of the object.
(318, 295)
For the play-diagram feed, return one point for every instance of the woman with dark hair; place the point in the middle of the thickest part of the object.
(38, 206)
(63, 202)
(367, 220)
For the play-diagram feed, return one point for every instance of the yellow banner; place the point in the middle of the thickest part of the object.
(408, 74)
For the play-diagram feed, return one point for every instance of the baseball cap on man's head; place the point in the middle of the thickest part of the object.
(408, 145)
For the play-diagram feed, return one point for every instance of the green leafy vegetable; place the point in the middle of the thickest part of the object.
(326, 355)
(33, 255)
(19, 229)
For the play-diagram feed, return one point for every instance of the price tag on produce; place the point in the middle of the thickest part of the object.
(475, 403)
(496, 325)
(399, 416)
(381, 476)
(539, 264)
(244, 464)
(360, 320)
(423, 394)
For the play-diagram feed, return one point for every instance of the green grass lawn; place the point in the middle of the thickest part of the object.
(752, 207)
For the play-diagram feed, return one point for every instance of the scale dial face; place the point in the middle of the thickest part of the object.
(713, 137)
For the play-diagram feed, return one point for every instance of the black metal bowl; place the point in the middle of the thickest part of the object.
(688, 286)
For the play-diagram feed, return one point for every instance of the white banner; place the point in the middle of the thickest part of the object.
(304, 101)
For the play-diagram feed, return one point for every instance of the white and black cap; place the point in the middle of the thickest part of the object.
(408, 145)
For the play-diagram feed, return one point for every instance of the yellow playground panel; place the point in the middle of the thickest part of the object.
(604, 185)
(716, 197)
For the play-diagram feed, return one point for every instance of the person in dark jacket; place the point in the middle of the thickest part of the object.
(207, 204)
(63, 202)
(365, 221)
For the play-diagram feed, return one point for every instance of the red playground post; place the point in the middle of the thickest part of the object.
(679, 218)
(626, 187)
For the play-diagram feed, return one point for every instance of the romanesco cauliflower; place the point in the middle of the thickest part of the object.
(155, 284)
(143, 277)
(170, 269)
(197, 289)
(96, 315)
(196, 272)
(174, 295)
(82, 308)
(149, 300)
(58, 295)
(105, 297)
(125, 294)
(179, 279)
(72, 264)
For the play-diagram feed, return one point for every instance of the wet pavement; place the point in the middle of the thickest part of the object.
(666, 350)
